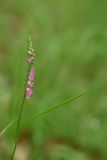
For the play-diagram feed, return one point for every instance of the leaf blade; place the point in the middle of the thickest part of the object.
(38, 115)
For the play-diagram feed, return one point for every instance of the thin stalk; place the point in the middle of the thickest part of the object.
(18, 128)
(19, 115)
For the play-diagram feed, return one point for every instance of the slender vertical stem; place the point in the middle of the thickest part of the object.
(18, 128)
(19, 115)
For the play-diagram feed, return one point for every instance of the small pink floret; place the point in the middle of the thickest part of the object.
(32, 74)
(29, 60)
(28, 93)
(30, 83)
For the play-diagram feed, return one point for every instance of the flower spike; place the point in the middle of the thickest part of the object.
(31, 57)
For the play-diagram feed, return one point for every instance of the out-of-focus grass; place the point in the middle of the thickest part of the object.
(70, 38)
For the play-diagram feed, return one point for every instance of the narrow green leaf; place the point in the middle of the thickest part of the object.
(5, 129)
(38, 115)
(59, 105)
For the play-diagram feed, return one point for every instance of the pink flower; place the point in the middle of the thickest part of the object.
(30, 83)
(32, 74)
(30, 60)
(28, 93)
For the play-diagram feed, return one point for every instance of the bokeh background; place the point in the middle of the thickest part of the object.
(70, 40)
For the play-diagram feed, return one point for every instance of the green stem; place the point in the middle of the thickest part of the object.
(18, 128)
(19, 115)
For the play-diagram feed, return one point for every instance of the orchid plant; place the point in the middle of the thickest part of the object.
(27, 95)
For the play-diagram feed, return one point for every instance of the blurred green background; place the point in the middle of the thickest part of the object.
(70, 40)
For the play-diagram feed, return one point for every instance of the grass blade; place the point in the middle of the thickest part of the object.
(59, 105)
(38, 115)
(5, 129)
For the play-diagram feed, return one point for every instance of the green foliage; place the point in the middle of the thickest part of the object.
(70, 39)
